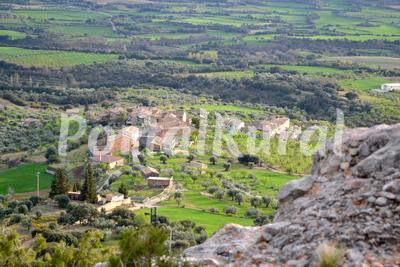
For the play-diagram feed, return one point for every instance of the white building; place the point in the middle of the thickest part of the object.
(388, 87)
(274, 127)
(114, 197)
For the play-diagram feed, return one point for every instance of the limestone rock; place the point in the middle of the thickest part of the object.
(296, 188)
(350, 199)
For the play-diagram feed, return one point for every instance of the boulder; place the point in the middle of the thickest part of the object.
(296, 188)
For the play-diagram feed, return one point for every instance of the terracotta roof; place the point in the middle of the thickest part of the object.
(106, 159)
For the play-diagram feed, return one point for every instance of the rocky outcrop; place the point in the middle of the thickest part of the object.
(350, 200)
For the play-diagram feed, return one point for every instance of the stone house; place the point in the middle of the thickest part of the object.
(111, 161)
(159, 182)
(148, 171)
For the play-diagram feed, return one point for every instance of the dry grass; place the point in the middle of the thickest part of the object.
(329, 255)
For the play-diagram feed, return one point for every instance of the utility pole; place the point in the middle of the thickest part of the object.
(170, 241)
(38, 183)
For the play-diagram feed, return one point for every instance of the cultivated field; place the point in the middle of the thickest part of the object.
(52, 59)
(23, 178)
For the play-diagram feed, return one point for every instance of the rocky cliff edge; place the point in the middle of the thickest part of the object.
(351, 201)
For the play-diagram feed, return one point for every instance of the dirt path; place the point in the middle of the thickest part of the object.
(152, 202)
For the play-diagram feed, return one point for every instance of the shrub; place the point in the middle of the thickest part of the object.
(16, 218)
(252, 213)
(230, 210)
(28, 203)
(212, 189)
(255, 202)
(261, 220)
(23, 209)
(246, 159)
(35, 200)
(214, 210)
(62, 201)
(220, 194)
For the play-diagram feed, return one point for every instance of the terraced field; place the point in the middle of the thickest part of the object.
(53, 59)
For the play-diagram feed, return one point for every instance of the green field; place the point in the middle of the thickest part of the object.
(54, 59)
(23, 178)
(212, 222)
(310, 69)
(382, 62)
(364, 84)
(13, 35)
(227, 74)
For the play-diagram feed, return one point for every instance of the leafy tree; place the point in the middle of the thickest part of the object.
(12, 253)
(88, 191)
(27, 223)
(266, 201)
(163, 159)
(190, 158)
(63, 201)
(245, 159)
(194, 178)
(212, 189)
(178, 197)
(82, 213)
(51, 155)
(239, 198)
(206, 184)
(76, 187)
(59, 185)
(140, 247)
(251, 165)
(230, 210)
(87, 253)
(35, 200)
(252, 213)
(255, 202)
(261, 220)
(23, 209)
(227, 166)
(213, 160)
(232, 193)
(123, 190)
(220, 195)
(38, 214)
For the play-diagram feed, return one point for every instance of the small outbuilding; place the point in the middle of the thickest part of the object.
(111, 161)
(149, 172)
(114, 197)
(159, 182)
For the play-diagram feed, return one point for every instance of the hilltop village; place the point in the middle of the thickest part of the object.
(166, 134)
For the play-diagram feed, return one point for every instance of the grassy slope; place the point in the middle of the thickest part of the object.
(212, 222)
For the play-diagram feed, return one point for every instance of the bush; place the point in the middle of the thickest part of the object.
(230, 210)
(214, 210)
(16, 218)
(23, 209)
(62, 201)
(246, 159)
(13, 204)
(261, 220)
(252, 213)
(212, 189)
(35, 200)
